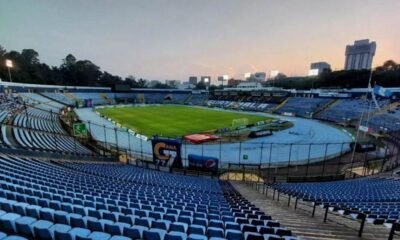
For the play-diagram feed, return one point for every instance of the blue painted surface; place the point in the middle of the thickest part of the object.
(276, 149)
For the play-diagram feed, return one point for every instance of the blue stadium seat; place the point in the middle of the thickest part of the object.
(8, 220)
(175, 236)
(24, 225)
(154, 234)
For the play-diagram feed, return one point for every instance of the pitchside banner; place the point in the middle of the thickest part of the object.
(167, 152)
(203, 163)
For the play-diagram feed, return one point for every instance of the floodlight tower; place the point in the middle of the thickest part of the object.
(222, 79)
(9, 65)
(207, 82)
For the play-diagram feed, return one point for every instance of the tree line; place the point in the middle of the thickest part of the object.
(73, 72)
(386, 75)
(27, 68)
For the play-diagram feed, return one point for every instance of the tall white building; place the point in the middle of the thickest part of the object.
(359, 55)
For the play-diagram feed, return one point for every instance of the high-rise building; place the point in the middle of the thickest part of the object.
(359, 55)
(318, 68)
(193, 80)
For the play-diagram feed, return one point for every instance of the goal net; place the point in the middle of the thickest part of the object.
(240, 122)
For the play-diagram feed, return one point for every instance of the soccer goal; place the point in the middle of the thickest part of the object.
(239, 122)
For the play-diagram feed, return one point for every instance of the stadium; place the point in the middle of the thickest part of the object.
(133, 148)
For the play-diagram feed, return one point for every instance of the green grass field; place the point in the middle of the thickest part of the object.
(174, 120)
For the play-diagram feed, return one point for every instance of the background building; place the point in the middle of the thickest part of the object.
(255, 77)
(234, 82)
(186, 85)
(172, 83)
(318, 68)
(193, 80)
(359, 55)
(249, 85)
(258, 76)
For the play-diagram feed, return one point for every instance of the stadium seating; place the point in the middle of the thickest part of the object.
(9, 102)
(96, 98)
(153, 98)
(301, 106)
(35, 125)
(37, 129)
(248, 106)
(198, 99)
(346, 110)
(376, 197)
(94, 201)
(385, 122)
(59, 97)
(176, 98)
(41, 102)
(127, 96)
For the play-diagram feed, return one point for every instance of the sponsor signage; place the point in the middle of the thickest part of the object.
(290, 114)
(260, 133)
(79, 129)
(167, 152)
(203, 163)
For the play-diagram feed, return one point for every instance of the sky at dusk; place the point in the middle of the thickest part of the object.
(174, 39)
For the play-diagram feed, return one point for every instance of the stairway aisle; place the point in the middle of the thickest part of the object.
(306, 227)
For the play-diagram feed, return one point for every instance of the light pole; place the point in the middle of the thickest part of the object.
(9, 65)
(222, 79)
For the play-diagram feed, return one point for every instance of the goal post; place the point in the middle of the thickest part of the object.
(239, 122)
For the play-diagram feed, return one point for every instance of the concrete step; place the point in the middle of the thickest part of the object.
(303, 225)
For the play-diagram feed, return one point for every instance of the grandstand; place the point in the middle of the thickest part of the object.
(389, 121)
(94, 201)
(55, 185)
(302, 106)
(344, 111)
(59, 98)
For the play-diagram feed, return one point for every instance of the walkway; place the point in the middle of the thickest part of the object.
(306, 227)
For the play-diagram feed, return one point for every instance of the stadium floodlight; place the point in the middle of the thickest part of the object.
(206, 79)
(313, 72)
(9, 65)
(274, 74)
(222, 79)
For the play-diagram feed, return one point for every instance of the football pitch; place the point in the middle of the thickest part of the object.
(174, 120)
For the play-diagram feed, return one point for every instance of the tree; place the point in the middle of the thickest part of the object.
(131, 81)
(68, 61)
(215, 87)
(390, 65)
(160, 85)
(200, 86)
(141, 83)
(2, 52)
(280, 76)
(109, 80)
(86, 73)
(30, 56)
